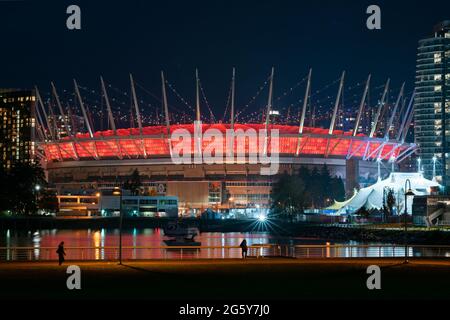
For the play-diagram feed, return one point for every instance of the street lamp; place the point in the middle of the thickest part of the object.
(118, 192)
(37, 188)
(408, 192)
(231, 200)
(392, 160)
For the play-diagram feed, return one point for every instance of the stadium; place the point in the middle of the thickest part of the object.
(86, 162)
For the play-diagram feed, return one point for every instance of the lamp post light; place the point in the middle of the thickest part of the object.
(118, 192)
(392, 160)
(408, 192)
(231, 202)
(99, 203)
(379, 168)
(37, 188)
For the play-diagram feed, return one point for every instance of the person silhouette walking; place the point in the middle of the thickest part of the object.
(244, 248)
(61, 253)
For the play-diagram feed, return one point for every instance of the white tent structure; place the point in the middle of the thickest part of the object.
(372, 197)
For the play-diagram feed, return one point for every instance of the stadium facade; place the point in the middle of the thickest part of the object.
(92, 161)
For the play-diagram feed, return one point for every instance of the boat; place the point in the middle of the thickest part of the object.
(181, 235)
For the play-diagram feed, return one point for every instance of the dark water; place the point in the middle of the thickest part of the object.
(150, 237)
(147, 243)
(142, 243)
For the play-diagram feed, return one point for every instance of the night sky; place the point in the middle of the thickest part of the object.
(144, 37)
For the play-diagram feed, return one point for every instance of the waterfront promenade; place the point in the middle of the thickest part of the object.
(252, 279)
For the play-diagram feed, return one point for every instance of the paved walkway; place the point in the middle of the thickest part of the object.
(229, 279)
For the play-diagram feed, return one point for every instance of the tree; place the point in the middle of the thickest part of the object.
(288, 196)
(337, 189)
(18, 188)
(390, 201)
(48, 201)
(326, 193)
(305, 175)
(316, 188)
(4, 191)
(363, 212)
(133, 183)
(309, 188)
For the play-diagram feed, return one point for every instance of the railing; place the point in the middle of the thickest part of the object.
(133, 253)
(367, 251)
(224, 252)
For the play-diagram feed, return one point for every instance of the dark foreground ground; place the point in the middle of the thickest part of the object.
(229, 279)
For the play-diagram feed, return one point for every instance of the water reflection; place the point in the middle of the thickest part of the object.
(102, 243)
(97, 244)
(36, 245)
(8, 244)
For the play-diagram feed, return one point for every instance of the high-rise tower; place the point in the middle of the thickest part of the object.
(432, 104)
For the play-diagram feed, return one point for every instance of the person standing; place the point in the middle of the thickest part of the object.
(61, 253)
(244, 248)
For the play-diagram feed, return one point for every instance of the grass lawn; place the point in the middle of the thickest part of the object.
(228, 279)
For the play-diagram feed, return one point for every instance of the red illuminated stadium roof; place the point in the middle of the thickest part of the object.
(129, 144)
(159, 130)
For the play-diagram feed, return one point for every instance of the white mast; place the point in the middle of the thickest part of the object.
(380, 107)
(108, 107)
(305, 102)
(361, 106)
(40, 103)
(391, 119)
(305, 105)
(136, 106)
(232, 99)
(166, 108)
(336, 105)
(197, 96)
(269, 100)
(54, 123)
(408, 123)
(61, 111)
(406, 118)
(138, 115)
(83, 110)
(40, 122)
